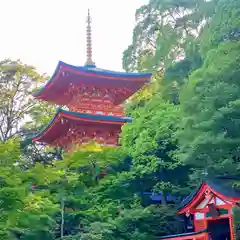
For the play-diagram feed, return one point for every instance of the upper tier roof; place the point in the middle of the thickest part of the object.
(56, 90)
(56, 128)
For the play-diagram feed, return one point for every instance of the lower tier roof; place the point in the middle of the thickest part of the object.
(67, 128)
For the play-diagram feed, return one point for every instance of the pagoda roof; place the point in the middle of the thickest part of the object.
(220, 187)
(55, 128)
(66, 75)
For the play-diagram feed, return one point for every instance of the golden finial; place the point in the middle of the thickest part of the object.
(89, 61)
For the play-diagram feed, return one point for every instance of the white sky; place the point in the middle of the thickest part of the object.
(42, 32)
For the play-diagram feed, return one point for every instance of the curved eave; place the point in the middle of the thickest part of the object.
(95, 72)
(190, 201)
(82, 117)
(41, 90)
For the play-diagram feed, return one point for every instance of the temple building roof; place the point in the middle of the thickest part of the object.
(67, 77)
(219, 187)
(69, 125)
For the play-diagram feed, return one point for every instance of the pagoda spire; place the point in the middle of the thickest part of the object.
(89, 61)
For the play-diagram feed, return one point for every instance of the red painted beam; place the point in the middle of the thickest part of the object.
(200, 236)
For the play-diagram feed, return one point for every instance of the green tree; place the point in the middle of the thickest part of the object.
(24, 214)
(162, 30)
(209, 138)
(17, 81)
(150, 142)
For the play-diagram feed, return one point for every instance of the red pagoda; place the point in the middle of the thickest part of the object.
(93, 97)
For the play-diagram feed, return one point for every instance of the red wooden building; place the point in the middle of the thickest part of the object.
(211, 209)
(93, 97)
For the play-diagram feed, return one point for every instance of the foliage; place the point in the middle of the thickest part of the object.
(22, 213)
(163, 28)
(209, 137)
(20, 115)
(17, 81)
(223, 27)
(132, 224)
(152, 147)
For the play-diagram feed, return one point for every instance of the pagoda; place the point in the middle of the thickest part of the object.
(92, 97)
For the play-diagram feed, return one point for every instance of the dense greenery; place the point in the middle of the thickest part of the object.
(185, 128)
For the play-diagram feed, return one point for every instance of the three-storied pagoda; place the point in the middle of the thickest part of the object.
(93, 97)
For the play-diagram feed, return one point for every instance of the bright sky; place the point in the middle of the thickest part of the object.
(42, 32)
